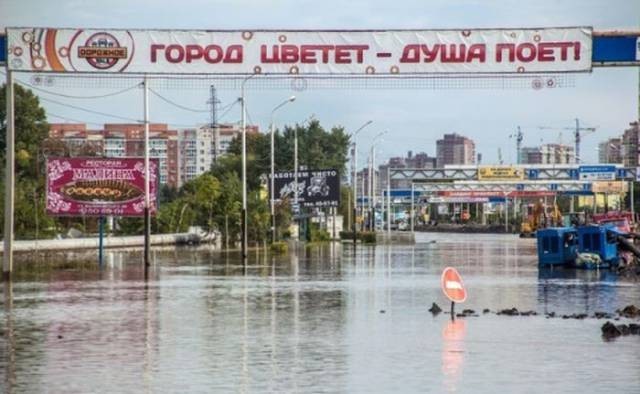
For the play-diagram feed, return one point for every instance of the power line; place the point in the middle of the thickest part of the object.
(229, 108)
(77, 97)
(176, 104)
(90, 110)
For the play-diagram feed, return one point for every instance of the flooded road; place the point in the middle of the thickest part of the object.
(319, 320)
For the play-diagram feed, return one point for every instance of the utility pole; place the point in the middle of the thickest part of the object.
(215, 134)
(7, 258)
(147, 174)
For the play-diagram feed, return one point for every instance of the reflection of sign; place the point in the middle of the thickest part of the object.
(597, 173)
(316, 188)
(496, 193)
(381, 52)
(452, 285)
(500, 173)
(99, 186)
(609, 187)
(435, 200)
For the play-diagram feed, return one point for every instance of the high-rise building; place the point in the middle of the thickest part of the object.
(530, 155)
(455, 149)
(223, 134)
(557, 154)
(610, 151)
(630, 145)
(196, 152)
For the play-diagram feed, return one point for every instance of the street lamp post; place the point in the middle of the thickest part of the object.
(355, 180)
(244, 169)
(273, 215)
(373, 179)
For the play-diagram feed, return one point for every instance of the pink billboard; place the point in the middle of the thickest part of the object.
(99, 186)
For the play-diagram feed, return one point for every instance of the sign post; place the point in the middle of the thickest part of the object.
(453, 287)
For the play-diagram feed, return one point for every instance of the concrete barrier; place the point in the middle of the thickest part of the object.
(109, 242)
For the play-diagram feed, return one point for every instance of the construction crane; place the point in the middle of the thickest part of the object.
(519, 137)
(576, 134)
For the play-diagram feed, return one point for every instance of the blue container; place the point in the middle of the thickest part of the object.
(557, 246)
(600, 240)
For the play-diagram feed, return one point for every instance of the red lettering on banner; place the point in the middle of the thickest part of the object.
(511, 48)
(234, 54)
(264, 54)
(212, 54)
(193, 52)
(154, 50)
(343, 56)
(545, 52)
(526, 52)
(176, 53)
(451, 53)
(542, 52)
(308, 54)
(177, 50)
(288, 54)
(410, 54)
(477, 51)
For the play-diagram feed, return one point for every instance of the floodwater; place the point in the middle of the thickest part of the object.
(319, 320)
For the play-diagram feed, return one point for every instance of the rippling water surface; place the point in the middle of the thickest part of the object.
(319, 320)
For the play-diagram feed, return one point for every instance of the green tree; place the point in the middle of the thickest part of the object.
(30, 131)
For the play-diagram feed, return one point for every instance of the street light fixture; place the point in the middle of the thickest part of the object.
(273, 216)
(355, 179)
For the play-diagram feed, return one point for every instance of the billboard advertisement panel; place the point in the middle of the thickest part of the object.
(487, 173)
(98, 186)
(293, 52)
(316, 188)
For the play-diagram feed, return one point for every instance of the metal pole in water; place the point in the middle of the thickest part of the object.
(412, 206)
(9, 195)
(453, 312)
(147, 218)
(100, 240)
(388, 204)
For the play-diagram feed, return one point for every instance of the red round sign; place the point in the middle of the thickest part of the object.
(452, 285)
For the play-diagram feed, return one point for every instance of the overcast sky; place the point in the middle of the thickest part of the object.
(415, 118)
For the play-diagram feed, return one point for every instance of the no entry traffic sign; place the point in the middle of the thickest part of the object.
(452, 285)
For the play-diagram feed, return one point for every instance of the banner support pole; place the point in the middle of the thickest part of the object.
(147, 218)
(9, 190)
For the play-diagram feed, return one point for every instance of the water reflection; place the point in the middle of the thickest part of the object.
(316, 319)
(453, 352)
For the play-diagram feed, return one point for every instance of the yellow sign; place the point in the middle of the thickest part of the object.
(609, 187)
(500, 173)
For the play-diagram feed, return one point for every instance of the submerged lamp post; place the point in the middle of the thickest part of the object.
(273, 215)
(355, 180)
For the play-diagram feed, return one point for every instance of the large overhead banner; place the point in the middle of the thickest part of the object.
(388, 52)
(99, 186)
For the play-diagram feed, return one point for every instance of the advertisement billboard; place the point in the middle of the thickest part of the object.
(293, 52)
(486, 173)
(316, 188)
(98, 186)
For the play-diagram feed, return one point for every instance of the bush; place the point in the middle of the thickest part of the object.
(367, 237)
(316, 234)
(346, 235)
(279, 247)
